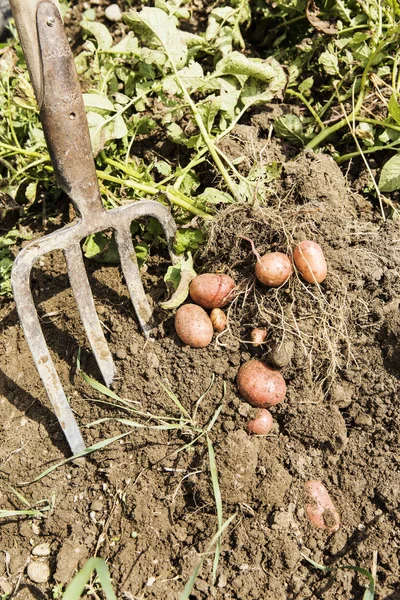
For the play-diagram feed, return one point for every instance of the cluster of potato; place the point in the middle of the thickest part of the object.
(258, 383)
(192, 323)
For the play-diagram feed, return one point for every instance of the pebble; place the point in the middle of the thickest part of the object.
(113, 13)
(41, 550)
(363, 420)
(38, 572)
(222, 581)
(121, 353)
(282, 354)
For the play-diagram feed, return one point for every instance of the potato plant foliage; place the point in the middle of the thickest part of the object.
(335, 62)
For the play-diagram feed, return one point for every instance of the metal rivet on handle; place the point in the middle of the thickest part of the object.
(51, 21)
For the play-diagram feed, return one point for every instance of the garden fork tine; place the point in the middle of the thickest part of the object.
(63, 117)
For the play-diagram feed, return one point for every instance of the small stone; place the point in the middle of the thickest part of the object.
(222, 581)
(38, 572)
(97, 505)
(363, 420)
(244, 409)
(282, 520)
(121, 353)
(41, 550)
(113, 13)
(35, 529)
(151, 581)
(282, 354)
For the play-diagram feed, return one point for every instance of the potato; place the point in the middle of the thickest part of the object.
(320, 509)
(193, 326)
(211, 290)
(218, 319)
(273, 269)
(310, 261)
(260, 385)
(258, 336)
(262, 424)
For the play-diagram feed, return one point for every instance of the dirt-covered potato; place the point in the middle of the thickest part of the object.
(262, 424)
(260, 385)
(193, 326)
(211, 290)
(273, 269)
(320, 509)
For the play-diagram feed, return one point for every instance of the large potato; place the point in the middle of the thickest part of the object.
(310, 261)
(193, 326)
(273, 269)
(211, 290)
(260, 385)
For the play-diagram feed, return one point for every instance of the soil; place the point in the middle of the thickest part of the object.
(149, 510)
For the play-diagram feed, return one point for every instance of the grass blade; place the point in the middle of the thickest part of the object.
(369, 593)
(85, 452)
(191, 581)
(78, 584)
(175, 400)
(218, 502)
(5, 514)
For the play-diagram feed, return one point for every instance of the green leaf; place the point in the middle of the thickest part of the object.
(214, 196)
(394, 108)
(128, 45)
(237, 63)
(100, 32)
(78, 584)
(104, 129)
(306, 85)
(159, 31)
(289, 128)
(96, 101)
(189, 240)
(330, 63)
(389, 180)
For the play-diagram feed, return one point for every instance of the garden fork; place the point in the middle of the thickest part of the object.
(55, 82)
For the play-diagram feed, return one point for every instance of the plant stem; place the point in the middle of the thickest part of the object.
(178, 200)
(344, 157)
(207, 140)
(308, 105)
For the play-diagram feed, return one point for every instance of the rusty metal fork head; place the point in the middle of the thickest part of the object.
(67, 135)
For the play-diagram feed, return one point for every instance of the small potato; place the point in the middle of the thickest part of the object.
(262, 424)
(193, 326)
(320, 509)
(258, 336)
(260, 385)
(211, 290)
(273, 269)
(218, 319)
(310, 261)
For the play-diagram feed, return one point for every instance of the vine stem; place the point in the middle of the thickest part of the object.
(207, 140)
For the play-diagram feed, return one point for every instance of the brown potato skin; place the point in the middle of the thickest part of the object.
(218, 319)
(262, 424)
(211, 290)
(310, 261)
(193, 326)
(273, 269)
(320, 509)
(260, 385)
